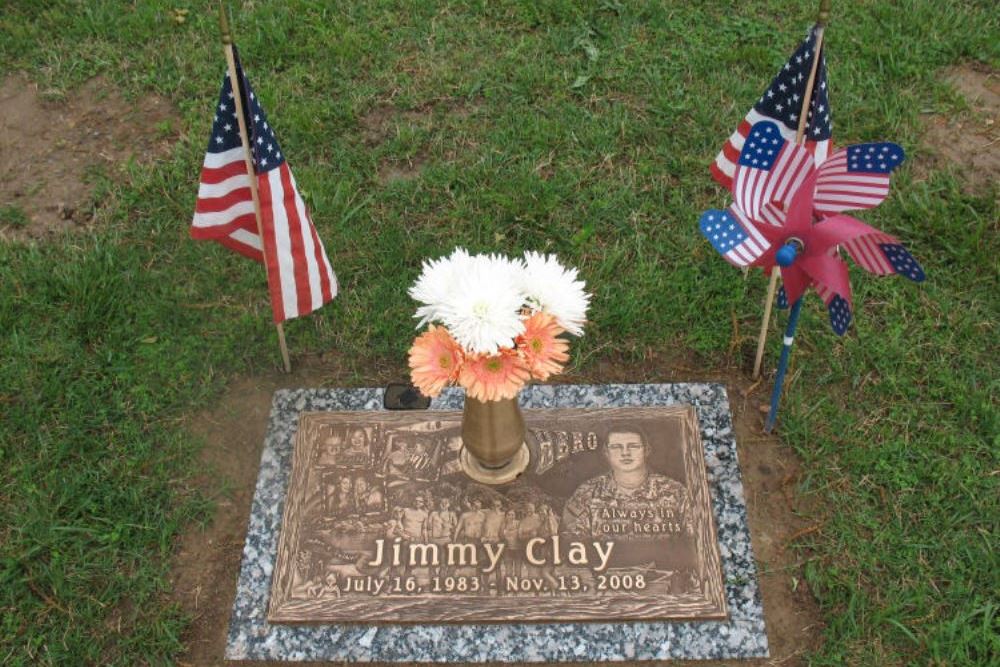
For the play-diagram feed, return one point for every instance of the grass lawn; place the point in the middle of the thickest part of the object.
(581, 128)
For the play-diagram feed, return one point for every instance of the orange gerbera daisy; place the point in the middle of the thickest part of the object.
(434, 360)
(543, 351)
(494, 377)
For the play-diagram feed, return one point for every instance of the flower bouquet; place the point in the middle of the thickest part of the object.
(493, 323)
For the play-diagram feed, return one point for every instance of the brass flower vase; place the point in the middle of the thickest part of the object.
(493, 447)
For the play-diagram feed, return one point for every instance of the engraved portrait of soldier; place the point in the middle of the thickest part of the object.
(630, 500)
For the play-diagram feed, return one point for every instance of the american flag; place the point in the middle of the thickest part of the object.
(782, 104)
(300, 277)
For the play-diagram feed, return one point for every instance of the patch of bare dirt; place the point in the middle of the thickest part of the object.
(384, 120)
(391, 171)
(971, 139)
(376, 124)
(47, 149)
(207, 560)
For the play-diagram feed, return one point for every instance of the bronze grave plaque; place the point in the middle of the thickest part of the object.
(612, 521)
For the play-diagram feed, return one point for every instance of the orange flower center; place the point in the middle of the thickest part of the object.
(493, 365)
(444, 361)
(537, 345)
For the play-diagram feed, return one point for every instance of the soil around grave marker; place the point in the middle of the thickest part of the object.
(49, 149)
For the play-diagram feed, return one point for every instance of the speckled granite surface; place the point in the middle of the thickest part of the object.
(742, 636)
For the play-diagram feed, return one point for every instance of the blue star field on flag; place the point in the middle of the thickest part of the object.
(840, 314)
(784, 102)
(903, 262)
(226, 132)
(874, 158)
(783, 98)
(762, 146)
(721, 230)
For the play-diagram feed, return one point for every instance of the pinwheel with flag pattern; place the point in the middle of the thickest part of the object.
(787, 215)
(781, 197)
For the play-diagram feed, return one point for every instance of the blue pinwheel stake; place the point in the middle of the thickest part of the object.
(785, 257)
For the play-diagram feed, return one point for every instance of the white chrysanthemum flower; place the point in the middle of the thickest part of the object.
(436, 285)
(549, 286)
(483, 310)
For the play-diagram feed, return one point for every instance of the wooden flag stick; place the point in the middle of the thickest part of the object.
(772, 287)
(234, 81)
(824, 16)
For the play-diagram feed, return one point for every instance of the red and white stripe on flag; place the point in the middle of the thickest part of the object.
(300, 277)
(224, 210)
(752, 247)
(866, 250)
(299, 274)
(724, 167)
(782, 103)
(838, 188)
(753, 189)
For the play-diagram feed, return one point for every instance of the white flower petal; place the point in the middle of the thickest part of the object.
(484, 311)
(436, 284)
(480, 298)
(551, 287)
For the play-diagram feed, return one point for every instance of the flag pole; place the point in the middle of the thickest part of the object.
(227, 45)
(821, 21)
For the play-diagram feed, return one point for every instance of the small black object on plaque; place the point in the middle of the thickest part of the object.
(404, 396)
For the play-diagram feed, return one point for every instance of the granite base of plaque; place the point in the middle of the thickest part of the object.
(627, 538)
